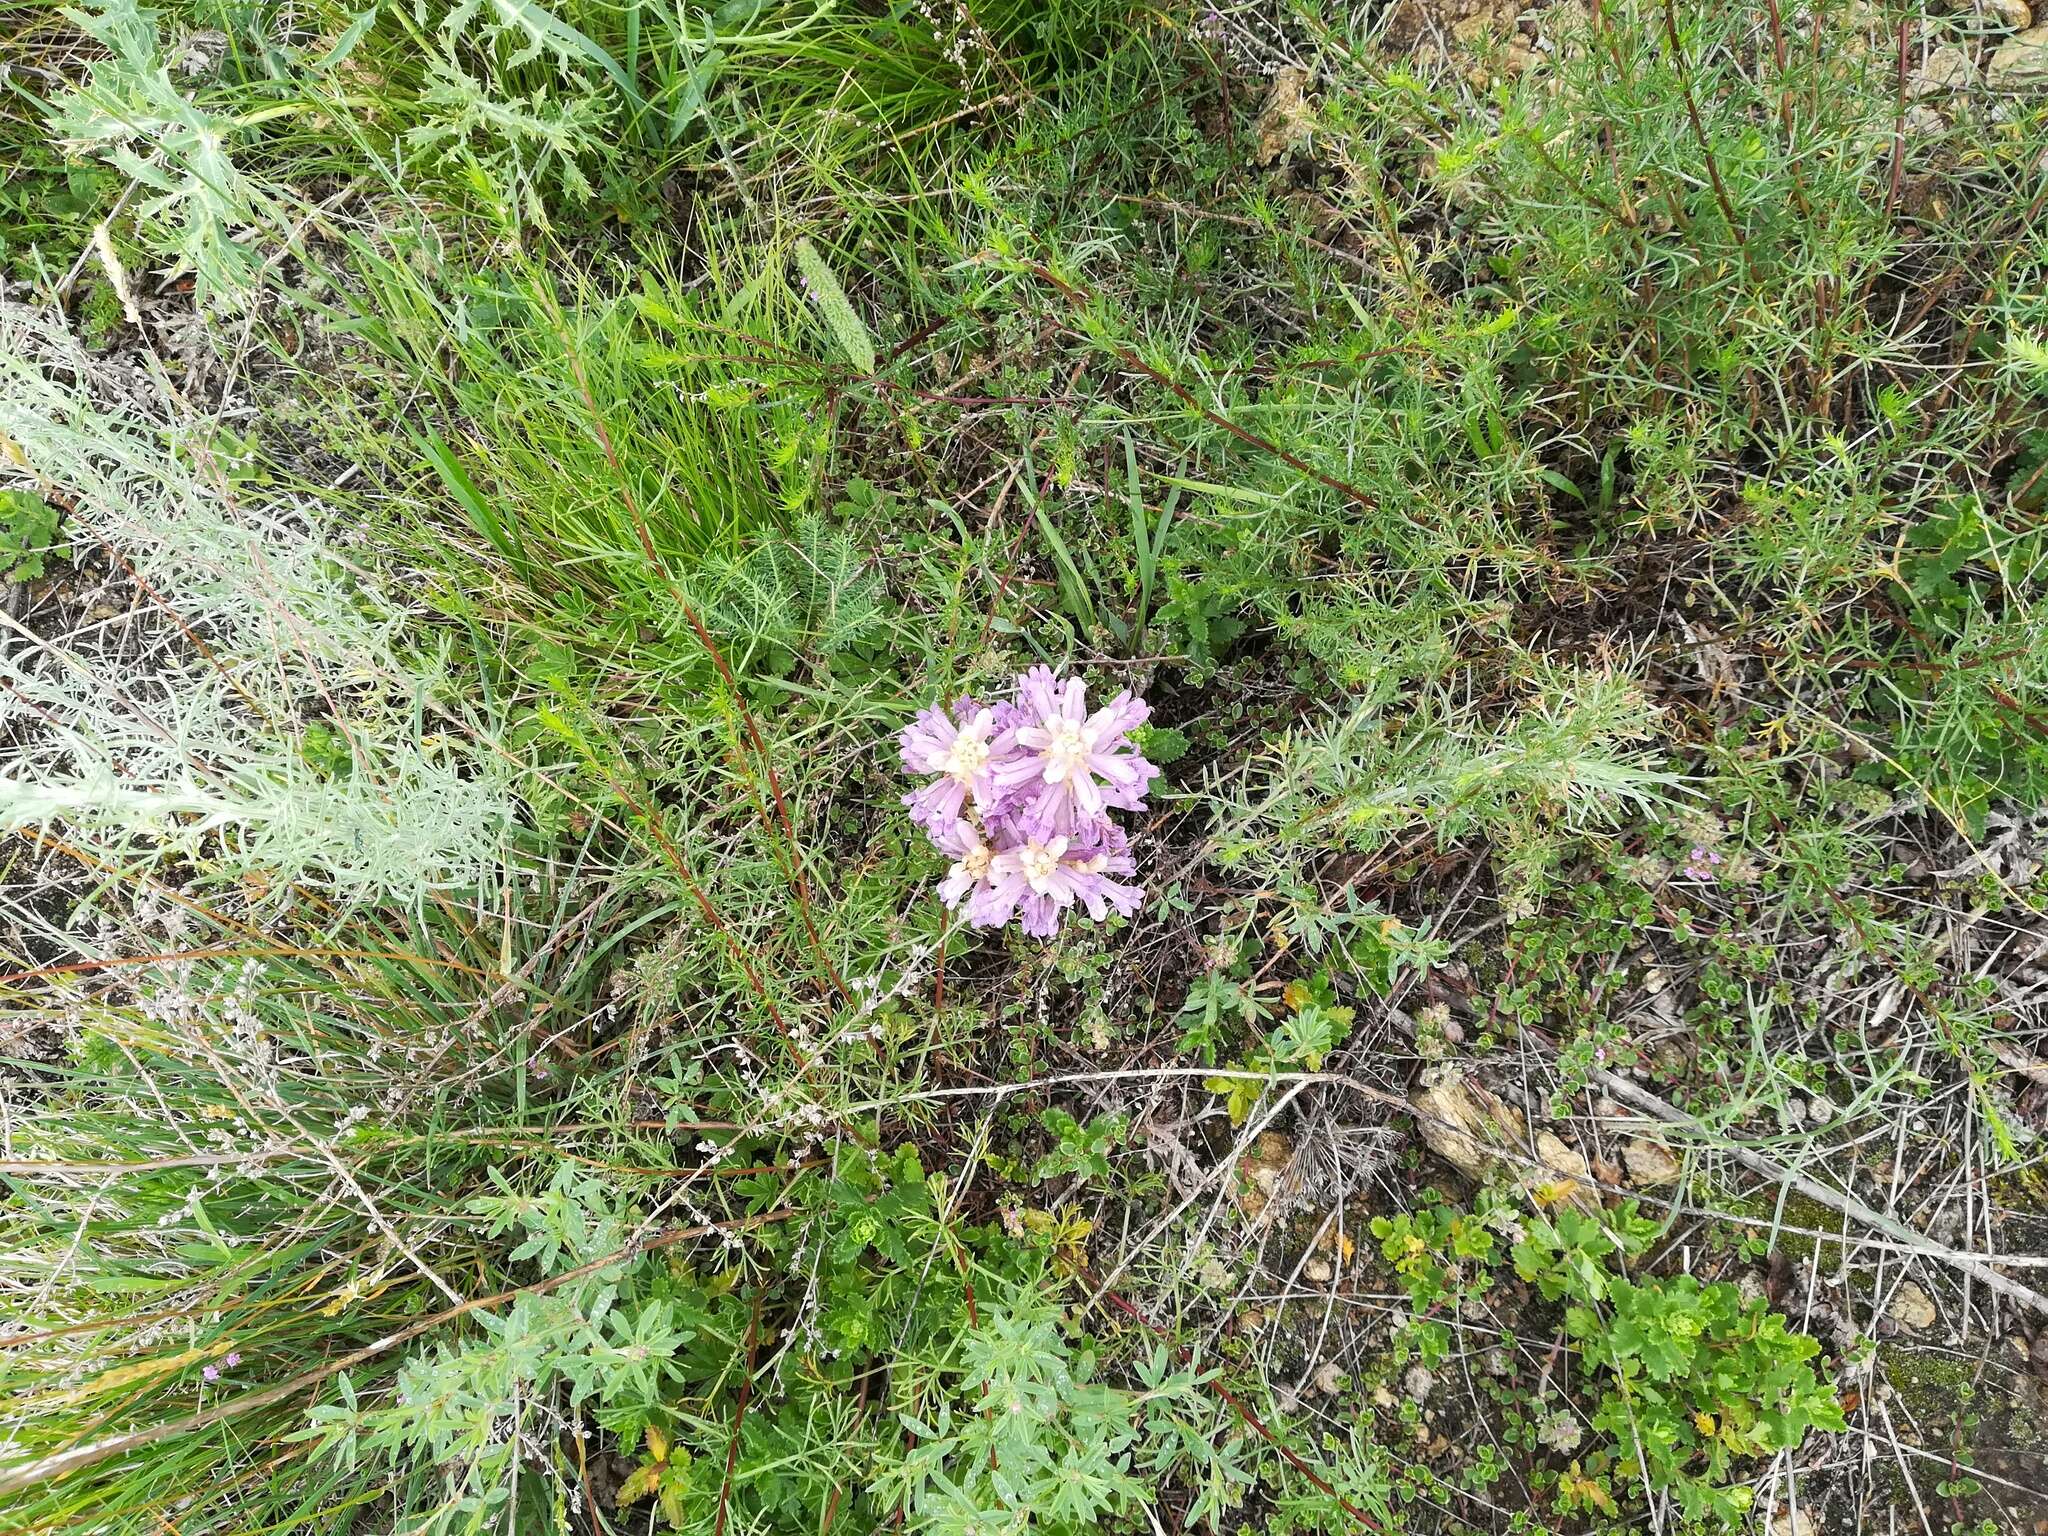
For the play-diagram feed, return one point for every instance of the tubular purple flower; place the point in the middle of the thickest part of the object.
(1020, 801)
(972, 861)
(1039, 880)
(1059, 768)
(960, 753)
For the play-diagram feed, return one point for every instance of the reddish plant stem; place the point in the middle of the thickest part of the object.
(675, 859)
(739, 1416)
(1166, 381)
(1699, 132)
(1891, 197)
(793, 864)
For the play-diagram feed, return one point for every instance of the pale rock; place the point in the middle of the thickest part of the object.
(1263, 1188)
(1318, 1272)
(1418, 1383)
(1922, 122)
(1472, 28)
(1794, 1522)
(2021, 62)
(1650, 1163)
(1911, 1308)
(1462, 1122)
(1329, 1380)
(2012, 15)
(1561, 1158)
(1948, 68)
(1477, 1132)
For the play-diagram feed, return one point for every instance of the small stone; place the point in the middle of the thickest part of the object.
(1650, 1163)
(1948, 68)
(2021, 62)
(1794, 1522)
(1418, 1383)
(1922, 122)
(2012, 15)
(1318, 1272)
(1819, 1111)
(1911, 1308)
(1261, 1177)
(1329, 1380)
(1382, 1398)
(1496, 1362)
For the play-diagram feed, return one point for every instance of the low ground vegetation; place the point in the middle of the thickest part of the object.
(485, 488)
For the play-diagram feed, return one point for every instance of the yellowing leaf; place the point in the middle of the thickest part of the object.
(657, 1443)
(644, 1481)
(672, 1509)
(1574, 1487)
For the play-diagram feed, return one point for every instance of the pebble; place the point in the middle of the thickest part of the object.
(2012, 15)
(1948, 68)
(1922, 122)
(1650, 1163)
(1418, 1383)
(2021, 62)
(1911, 1308)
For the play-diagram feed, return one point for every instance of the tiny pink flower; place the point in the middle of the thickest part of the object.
(209, 1373)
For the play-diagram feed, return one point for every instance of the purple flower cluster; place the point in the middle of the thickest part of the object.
(1019, 799)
